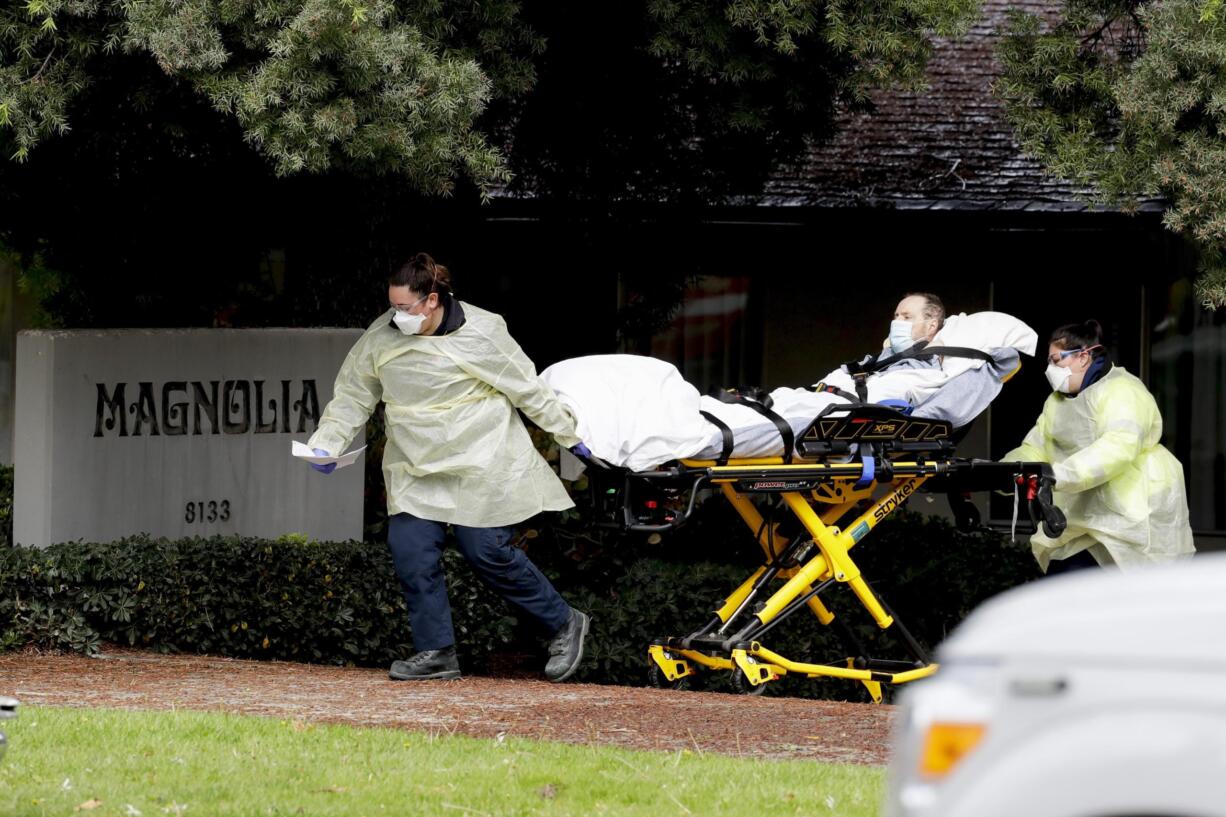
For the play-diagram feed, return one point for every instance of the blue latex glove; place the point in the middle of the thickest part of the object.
(581, 450)
(323, 469)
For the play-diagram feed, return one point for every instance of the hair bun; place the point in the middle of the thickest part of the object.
(421, 274)
(1085, 335)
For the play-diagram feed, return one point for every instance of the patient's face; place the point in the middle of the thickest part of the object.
(912, 309)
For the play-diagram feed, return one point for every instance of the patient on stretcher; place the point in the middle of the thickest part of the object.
(638, 412)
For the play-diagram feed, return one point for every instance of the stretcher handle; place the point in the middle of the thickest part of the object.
(1036, 488)
(1039, 491)
(1031, 482)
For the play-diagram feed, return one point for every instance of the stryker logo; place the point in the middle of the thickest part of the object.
(893, 503)
(229, 408)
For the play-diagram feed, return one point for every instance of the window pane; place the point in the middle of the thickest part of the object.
(708, 339)
(1188, 379)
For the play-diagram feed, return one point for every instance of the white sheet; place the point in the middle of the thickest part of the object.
(632, 411)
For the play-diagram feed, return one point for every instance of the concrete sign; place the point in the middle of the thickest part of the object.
(177, 433)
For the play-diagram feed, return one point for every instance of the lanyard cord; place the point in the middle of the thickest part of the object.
(1016, 491)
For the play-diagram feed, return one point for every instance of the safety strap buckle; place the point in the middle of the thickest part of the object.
(861, 380)
(826, 388)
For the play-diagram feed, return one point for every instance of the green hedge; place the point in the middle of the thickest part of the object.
(287, 599)
(6, 506)
(339, 602)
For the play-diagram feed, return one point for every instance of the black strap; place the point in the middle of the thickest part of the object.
(956, 351)
(785, 430)
(920, 351)
(828, 389)
(860, 371)
(725, 431)
(861, 379)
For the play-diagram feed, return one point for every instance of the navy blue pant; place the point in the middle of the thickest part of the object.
(417, 546)
(1081, 560)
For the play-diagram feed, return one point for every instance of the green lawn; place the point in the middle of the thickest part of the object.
(106, 762)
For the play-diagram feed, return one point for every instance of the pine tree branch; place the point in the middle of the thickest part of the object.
(41, 68)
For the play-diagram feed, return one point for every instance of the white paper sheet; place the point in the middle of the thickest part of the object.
(570, 467)
(303, 452)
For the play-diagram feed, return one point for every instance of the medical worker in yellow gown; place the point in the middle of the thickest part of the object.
(458, 454)
(1100, 429)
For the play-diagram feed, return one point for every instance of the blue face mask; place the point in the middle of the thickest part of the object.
(900, 336)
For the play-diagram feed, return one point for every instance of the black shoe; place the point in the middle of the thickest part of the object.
(427, 665)
(566, 648)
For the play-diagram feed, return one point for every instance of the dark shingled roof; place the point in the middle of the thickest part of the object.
(946, 148)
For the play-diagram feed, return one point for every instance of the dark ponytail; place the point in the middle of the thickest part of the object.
(1086, 335)
(421, 274)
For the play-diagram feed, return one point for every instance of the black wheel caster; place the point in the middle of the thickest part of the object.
(741, 685)
(657, 678)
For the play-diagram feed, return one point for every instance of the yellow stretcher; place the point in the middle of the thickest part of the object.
(846, 473)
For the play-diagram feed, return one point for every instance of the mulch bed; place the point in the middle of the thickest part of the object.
(630, 717)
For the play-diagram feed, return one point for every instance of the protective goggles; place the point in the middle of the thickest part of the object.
(1059, 356)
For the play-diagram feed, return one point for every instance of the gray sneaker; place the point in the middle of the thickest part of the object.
(566, 648)
(427, 665)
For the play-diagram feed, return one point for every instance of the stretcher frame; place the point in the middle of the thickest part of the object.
(837, 505)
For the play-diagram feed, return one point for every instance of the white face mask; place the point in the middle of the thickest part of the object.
(900, 336)
(410, 324)
(1058, 377)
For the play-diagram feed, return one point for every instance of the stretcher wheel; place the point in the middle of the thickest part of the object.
(656, 677)
(741, 685)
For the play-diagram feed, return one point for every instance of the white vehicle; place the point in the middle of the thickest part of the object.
(1097, 694)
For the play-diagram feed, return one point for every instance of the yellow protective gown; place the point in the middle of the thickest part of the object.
(1121, 490)
(457, 451)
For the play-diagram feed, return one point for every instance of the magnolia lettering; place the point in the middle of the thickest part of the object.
(194, 408)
